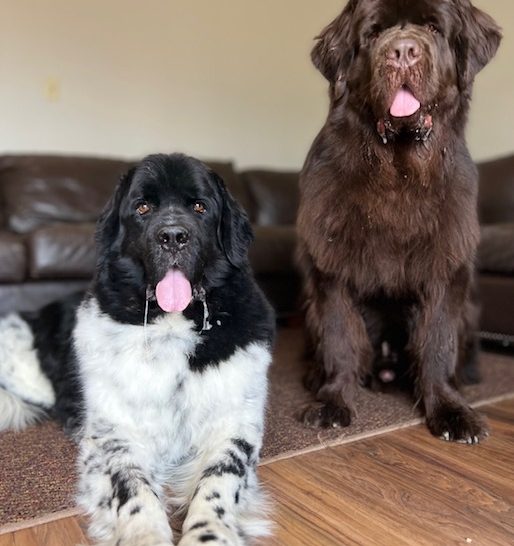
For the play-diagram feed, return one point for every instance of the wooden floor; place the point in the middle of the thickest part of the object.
(403, 488)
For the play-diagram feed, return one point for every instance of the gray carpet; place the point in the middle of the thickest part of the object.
(37, 474)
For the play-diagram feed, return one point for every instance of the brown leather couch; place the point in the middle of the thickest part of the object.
(496, 251)
(48, 206)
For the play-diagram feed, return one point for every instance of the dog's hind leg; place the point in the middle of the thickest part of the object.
(26, 394)
(227, 506)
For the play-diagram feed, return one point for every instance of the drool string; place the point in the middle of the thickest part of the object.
(145, 319)
(201, 296)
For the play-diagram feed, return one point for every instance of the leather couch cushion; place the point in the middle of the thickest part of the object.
(275, 194)
(43, 189)
(496, 250)
(13, 261)
(31, 296)
(62, 251)
(496, 195)
(39, 190)
(273, 249)
(497, 295)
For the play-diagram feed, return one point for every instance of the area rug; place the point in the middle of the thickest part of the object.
(37, 467)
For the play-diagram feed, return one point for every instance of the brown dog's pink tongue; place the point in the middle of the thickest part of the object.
(404, 104)
(173, 292)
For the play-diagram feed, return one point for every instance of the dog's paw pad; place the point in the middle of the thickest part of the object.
(326, 416)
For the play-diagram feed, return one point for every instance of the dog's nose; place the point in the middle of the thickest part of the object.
(404, 53)
(173, 237)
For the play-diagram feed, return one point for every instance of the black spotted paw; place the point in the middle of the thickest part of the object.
(457, 424)
(212, 533)
(326, 415)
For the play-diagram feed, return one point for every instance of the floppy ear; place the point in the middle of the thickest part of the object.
(477, 43)
(234, 230)
(333, 53)
(108, 223)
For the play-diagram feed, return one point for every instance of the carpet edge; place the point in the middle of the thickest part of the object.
(42, 520)
(49, 518)
(373, 433)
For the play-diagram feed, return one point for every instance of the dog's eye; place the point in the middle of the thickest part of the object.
(143, 208)
(199, 207)
(432, 27)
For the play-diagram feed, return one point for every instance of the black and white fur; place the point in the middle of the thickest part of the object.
(160, 402)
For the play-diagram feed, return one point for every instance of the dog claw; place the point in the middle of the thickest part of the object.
(458, 424)
(326, 415)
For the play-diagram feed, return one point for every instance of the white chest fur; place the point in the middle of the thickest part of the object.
(138, 384)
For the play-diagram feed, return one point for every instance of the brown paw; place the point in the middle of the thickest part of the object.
(457, 424)
(326, 415)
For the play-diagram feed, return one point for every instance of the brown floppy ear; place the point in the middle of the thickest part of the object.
(333, 52)
(477, 42)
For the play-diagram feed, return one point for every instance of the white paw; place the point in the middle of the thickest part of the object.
(211, 533)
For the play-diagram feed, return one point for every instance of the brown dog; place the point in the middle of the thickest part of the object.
(387, 222)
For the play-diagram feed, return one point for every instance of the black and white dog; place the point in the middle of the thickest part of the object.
(161, 369)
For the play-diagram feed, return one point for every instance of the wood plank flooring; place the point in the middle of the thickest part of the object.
(403, 488)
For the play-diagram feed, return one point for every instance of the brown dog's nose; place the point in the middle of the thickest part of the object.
(404, 53)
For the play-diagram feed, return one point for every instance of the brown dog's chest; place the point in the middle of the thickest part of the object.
(399, 237)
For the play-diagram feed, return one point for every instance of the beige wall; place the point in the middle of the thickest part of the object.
(216, 78)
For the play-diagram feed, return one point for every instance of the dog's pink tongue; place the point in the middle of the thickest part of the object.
(173, 292)
(405, 104)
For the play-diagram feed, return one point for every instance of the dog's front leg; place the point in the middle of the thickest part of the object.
(433, 346)
(344, 354)
(117, 492)
(227, 505)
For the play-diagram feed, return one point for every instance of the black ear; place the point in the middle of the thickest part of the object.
(108, 223)
(333, 52)
(477, 42)
(234, 230)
